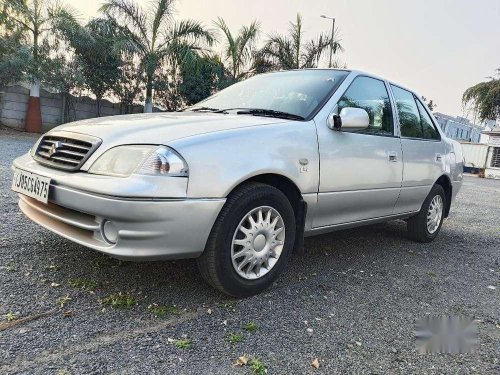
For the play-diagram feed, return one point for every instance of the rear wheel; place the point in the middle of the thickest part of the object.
(425, 226)
(250, 242)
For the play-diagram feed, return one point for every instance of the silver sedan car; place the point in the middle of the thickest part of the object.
(239, 179)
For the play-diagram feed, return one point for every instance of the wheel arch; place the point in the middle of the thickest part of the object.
(293, 194)
(280, 182)
(445, 182)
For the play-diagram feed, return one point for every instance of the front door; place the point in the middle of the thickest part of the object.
(360, 171)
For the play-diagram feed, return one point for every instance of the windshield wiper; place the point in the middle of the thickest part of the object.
(208, 109)
(270, 113)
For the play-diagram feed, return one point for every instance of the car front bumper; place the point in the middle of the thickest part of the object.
(141, 228)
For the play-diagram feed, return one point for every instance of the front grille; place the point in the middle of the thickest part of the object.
(66, 150)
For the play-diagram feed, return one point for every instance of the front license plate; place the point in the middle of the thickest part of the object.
(31, 184)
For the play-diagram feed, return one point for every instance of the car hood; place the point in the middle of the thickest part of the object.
(161, 128)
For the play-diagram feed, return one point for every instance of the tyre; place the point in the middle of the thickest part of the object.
(425, 226)
(251, 241)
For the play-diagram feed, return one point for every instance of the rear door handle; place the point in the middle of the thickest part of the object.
(393, 156)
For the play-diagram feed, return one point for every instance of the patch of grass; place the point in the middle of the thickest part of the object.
(103, 261)
(160, 311)
(10, 316)
(63, 301)
(250, 327)
(184, 344)
(11, 267)
(229, 305)
(257, 367)
(83, 284)
(432, 274)
(119, 301)
(234, 338)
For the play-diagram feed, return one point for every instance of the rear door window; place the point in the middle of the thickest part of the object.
(409, 116)
(428, 128)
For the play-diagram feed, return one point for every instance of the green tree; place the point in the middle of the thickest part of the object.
(14, 55)
(64, 74)
(155, 38)
(484, 98)
(130, 84)
(291, 52)
(239, 49)
(202, 79)
(93, 47)
(36, 19)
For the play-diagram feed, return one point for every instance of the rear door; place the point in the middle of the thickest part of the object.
(423, 151)
(360, 171)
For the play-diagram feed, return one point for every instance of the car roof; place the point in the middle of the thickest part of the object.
(361, 73)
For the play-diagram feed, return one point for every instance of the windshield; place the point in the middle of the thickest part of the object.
(297, 92)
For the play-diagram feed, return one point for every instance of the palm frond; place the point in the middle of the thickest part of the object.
(231, 45)
(163, 11)
(313, 50)
(130, 12)
(245, 46)
(296, 36)
(189, 30)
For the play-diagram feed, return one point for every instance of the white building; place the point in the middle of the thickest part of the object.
(459, 128)
(492, 169)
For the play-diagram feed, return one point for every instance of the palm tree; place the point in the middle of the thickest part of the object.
(290, 52)
(36, 18)
(155, 38)
(239, 49)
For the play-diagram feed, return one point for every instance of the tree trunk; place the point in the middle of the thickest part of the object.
(63, 108)
(148, 105)
(34, 115)
(99, 102)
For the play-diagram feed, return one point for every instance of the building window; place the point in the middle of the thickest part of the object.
(495, 158)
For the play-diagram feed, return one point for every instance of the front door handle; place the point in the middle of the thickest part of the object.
(393, 156)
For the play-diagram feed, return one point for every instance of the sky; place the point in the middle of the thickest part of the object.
(438, 48)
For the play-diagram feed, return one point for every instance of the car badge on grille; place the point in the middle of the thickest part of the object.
(55, 146)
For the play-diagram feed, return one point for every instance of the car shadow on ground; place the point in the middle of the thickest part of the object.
(179, 282)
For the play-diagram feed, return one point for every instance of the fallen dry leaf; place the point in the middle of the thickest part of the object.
(241, 361)
(315, 363)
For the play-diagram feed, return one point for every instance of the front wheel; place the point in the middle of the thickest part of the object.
(425, 226)
(250, 242)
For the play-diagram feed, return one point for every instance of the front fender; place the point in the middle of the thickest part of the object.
(220, 161)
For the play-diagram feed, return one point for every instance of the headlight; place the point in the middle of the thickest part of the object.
(122, 161)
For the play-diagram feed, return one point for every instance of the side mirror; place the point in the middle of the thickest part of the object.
(349, 119)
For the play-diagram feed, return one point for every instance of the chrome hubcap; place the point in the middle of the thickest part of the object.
(257, 242)
(434, 214)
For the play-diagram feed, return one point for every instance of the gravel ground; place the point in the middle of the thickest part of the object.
(351, 301)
